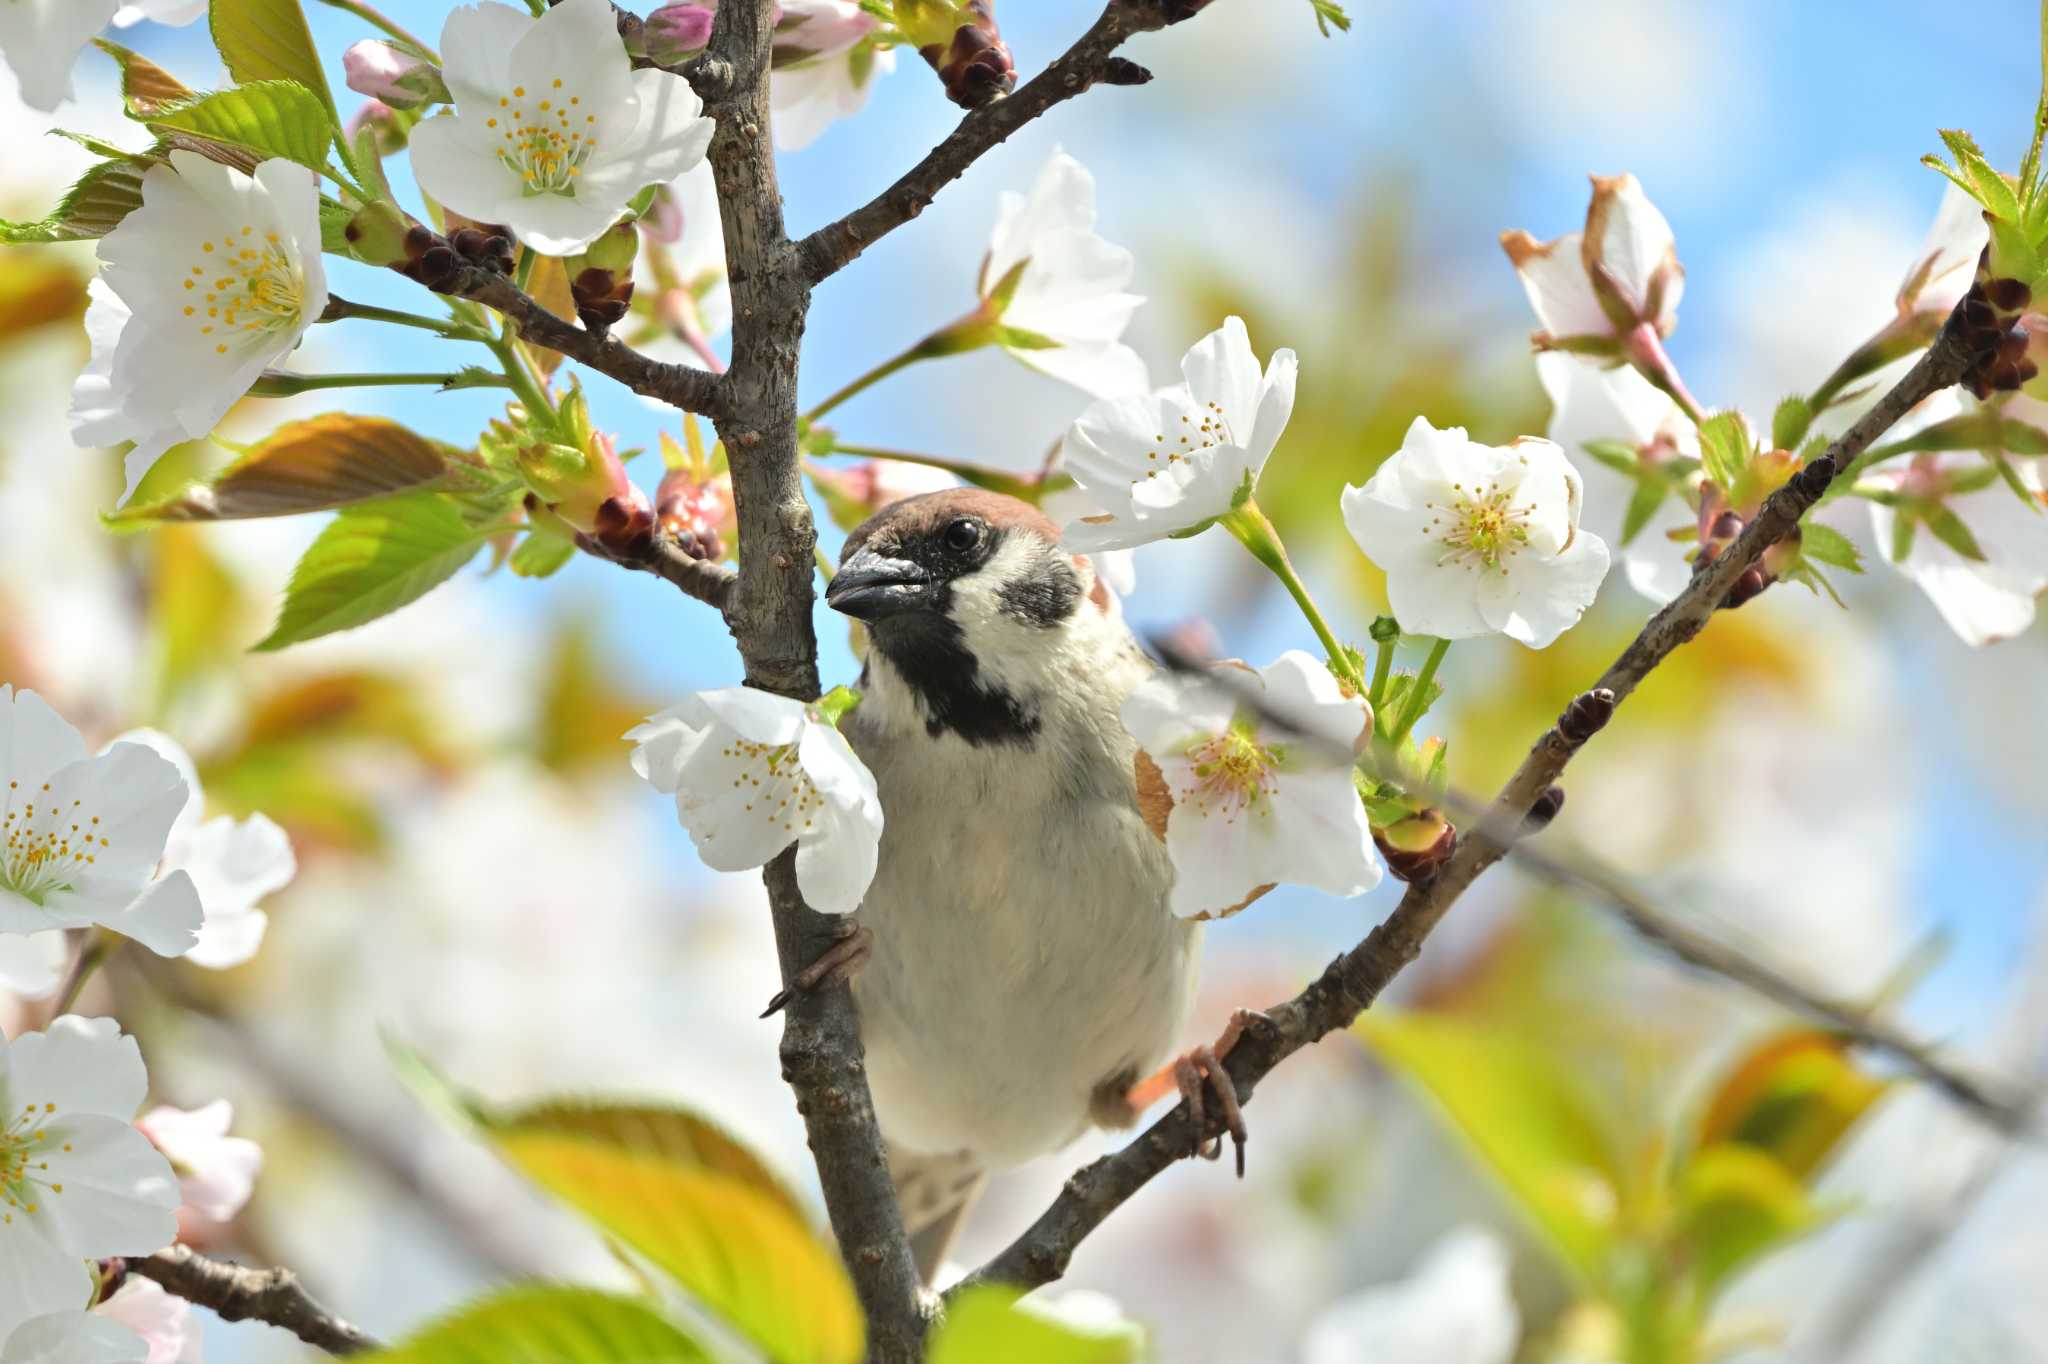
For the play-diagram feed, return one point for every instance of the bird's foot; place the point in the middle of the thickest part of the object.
(1193, 1075)
(835, 964)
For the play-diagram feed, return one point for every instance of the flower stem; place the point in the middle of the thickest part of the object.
(90, 956)
(1382, 669)
(980, 475)
(275, 384)
(1418, 693)
(1646, 352)
(1257, 534)
(969, 333)
(520, 379)
(522, 273)
(342, 309)
(371, 16)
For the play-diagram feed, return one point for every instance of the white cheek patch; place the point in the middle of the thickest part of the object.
(1021, 656)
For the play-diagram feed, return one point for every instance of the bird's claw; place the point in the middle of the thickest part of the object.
(1201, 1071)
(835, 964)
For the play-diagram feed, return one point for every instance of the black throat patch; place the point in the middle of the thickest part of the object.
(930, 653)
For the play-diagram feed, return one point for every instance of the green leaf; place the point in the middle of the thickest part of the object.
(269, 118)
(95, 206)
(1617, 455)
(334, 220)
(1529, 1116)
(319, 464)
(1827, 545)
(679, 1193)
(1725, 448)
(1987, 186)
(1736, 1204)
(1792, 1097)
(1950, 530)
(370, 561)
(1330, 14)
(1904, 527)
(541, 554)
(267, 40)
(1642, 506)
(146, 87)
(986, 1326)
(549, 1325)
(1789, 423)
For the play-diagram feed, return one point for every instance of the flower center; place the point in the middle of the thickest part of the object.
(45, 849)
(24, 1172)
(1480, 528)
(777, 787)
(244, 286)
(1233, 772)
(1201, 430)
(546, 139)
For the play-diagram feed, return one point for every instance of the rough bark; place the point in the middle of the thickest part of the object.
(238, 1293)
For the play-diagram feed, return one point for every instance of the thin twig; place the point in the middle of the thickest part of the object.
(708, 580)
(237, 1293)
(1087, 63)
(1351, 983)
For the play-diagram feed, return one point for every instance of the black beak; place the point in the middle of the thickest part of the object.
(870, 585)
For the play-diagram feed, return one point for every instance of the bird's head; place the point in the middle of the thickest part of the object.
(969, 597)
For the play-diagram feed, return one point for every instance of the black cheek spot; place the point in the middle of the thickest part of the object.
(928, 650)
(1045, 596)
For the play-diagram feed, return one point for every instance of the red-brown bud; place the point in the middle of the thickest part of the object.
(1415, 847)
(975, 66)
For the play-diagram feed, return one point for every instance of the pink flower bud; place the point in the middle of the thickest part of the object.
(806, 29)
(663, 223)
(700, 516)
(675, 32)
(384, 72)
(390, 130)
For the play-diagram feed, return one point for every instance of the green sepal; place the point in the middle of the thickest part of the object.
(836, 704)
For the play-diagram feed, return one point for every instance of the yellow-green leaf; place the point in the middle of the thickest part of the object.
(1793, 1097)
(267, 40)
(985, 1326)
(547, 1325)
(93, 207)
(739, 1251)
(319, 464)
(549, 287)
(1531, 1120)
(145, 86)
(370, 561)
(1736, 1204)
(264, 118)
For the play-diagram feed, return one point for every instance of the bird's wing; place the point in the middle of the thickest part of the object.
(935, 1193)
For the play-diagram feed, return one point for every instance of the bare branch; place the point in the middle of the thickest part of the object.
(1090, 61)
(238, 1293)
(708, 580)
(1351, 983)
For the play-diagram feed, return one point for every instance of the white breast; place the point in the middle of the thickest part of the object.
(1024, 952)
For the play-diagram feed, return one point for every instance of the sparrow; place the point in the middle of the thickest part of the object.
(1016, 968)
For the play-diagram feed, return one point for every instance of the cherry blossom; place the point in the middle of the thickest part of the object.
(1591, 289)
(753, 772)
(1245, 804)
(1478, 538)
(169, 1330)
(216, 1172)
(41, 39)
(1173, 462)
(1456, 1308)
(553, 131)
(1987, 599)
(74, 1338)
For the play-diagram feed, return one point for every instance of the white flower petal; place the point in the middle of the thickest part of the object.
(1553, 274)
(175, 13)
(35, 741)
(119, 1198)
(82, 1065)
(72, 1337)
(1276, 404)
(1635, 241)
(1103, 369)
(477, 42)
(1220, 369)
(32, 965)
(166, 917)
(1457, 1308)
(41, 40)
(164, 1322)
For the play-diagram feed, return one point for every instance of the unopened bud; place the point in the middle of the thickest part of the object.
(390, 130)
(697, 516)
(1587, 715)
(1544, 810)
(974, 64)
(623, 523)
(675, 33)
(485, 244)
(381, 234)
(1416, 846)
(1747, 588)
(386, 72)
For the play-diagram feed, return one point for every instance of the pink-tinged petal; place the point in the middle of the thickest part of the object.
(163, 1322)
(216, 1172)
(76, 1337)
(1554, 277)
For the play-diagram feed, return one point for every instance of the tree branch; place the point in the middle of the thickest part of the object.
(708, 580)
(238, 1293)
(1088, 62)
(768, 607)
(1351, 983)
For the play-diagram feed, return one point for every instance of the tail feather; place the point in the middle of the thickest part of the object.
(935, 1193)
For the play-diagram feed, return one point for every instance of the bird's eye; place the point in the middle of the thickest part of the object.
(962, 535)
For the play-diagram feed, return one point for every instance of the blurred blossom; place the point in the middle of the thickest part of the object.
(74, 1338)
(824, 67)
(41, 39)
(85, 835)
(1984, 599)
(1242, 805)
(1175, 461)
(558, 188)
(682, 270)
(79, 1183)
(1116, 567)
(216, 1172)
(1058, 288)
(233, 863)
(1456, 1308)
(1946, 265)
(752, 773)
(213, 279)
(173, 12)
(32, 964)
(1478, 538)
(854, 492)
(1619, 404)
(382, 120)
(165, 1323)
(1594, 288)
